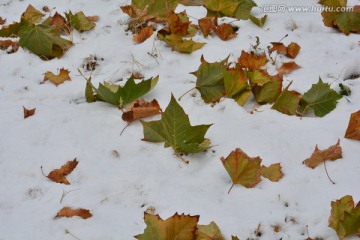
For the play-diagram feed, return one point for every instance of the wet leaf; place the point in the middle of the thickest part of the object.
(59, 78)
(332, 153)
(58, 175)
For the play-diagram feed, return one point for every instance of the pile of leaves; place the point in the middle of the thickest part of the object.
(248, 75)
(43, 37)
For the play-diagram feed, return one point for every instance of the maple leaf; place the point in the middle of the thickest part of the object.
(353, 129)
(288, 101)
(265, 88)
(209, 80)
(177, 43)
(291, 51)
(140, 109)
(120, 96)
(179, 23)
(157, 9)
(243, 11)
(58, 175)
(242, 169)
(345, 218)
(208, 232)
(279, 47)
(319, 97)
(144, 34)
(273, 172)
(192, 2)
(57, 79)
(260, 22)
(6, 44)
(28, 112)
(225, 31)
(223, 7)
(207, 24)
(236, 86)
(176, 227)
(175, 130)
(79, 21)
(32, 15)
(2, 21)
(11, 30)
(287, 67)
(252, 61)
(69, 212)
(332, 153)
(42, 40)
(60, 23)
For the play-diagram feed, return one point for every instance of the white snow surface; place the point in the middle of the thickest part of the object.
(118, 189)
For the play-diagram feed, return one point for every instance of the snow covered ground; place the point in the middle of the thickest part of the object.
(118, 188)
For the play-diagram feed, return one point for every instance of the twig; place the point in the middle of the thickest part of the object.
(42, 172)
(68, 232)
(328, 174)
(125, 127)
(65, 193)
(284, 37)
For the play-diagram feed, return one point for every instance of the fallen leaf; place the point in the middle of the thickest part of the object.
(207, 24)
(276, 228)
(252, 61)
(222, 8)
(242, 169)
(353, 129)
(79, 21)
(288, 67)
(60, 23)
(11, 30)
(192, 2)
(332, 153)
(69, 212)
(5, 44)
(273, 172)
(58, 175)
(144, 34)
(32, 15)
(177, 43)
(258, 21)
(287, 102)
(293, 50)
(225, 31)
(28, 112)
(175, 130)
(176, 227)
(157, 10)
(209, 232)
(278, 47)
(94, 18)
(141, 109)
(2, 21)
(179, 23)
(234, 238)
(46, 9)
(266, 88)
(57, 79)
(319, 97)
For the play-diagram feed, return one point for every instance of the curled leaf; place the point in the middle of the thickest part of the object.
(288, 67)
(332, 153)
(140, 109)
(58, 175)
(144, 34)
(28, 112)
(69, 212)
(2, 21)
(353, 129)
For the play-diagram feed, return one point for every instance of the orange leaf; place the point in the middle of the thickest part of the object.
(225, 31)
(293, 50)
(207, 24)
(57, 79)
(140, 109)
(69, 212)
(5, 44)
(58, 175)
(252, 61)
(273, 172)
(279, 47)
(333, 153)
(60, 23)
(288, 67)
(144, 34)
(94, 18)
(178, 25)
(28, 112)
(353, 129)
(2, 21)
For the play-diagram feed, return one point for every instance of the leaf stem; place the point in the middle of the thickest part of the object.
(179, 99)
(231, 188)
(125, 128)
(328, 174)
(178, 154)
(42, 172)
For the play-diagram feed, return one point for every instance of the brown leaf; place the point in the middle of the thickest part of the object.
(137, 75)
(2, 21)
(57, 79)
(28, 112)
(140, 109)
(333, 153)
(5, 44)
(252, 61)
(69, 212)
(279, 47)
(225, 31)
(178, 23)
(144, 34)
(207, 24)
(60, 23)
(353, 129)
(46, 9)
(273, 172)
(288, 67)
(58, 175)
(94, 18)
(293, 50)
(276, 228)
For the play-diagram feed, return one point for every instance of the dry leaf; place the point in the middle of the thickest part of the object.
(276, 228)
(288, 67)
(58, 175)
(137, 75)
(252, 61)
(333, 153)
(57, 79)
(5, 44)
(353, 129)
(140, 109)
(46, 9)
(94, 18)
(2, 21)
(279, 47)
(69, 212)
(144, 34)
(273, 172)
(225, 31)
(60, 23)
(207, 24)
(293, 50)
(28, 112)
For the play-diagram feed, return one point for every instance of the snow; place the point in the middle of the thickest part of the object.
(118, 188)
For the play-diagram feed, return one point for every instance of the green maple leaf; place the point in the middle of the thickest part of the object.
(120, 96)
(258, 21)
(319, 97)
(208, 232)
(156, 8)
(79, 21)
(265, 88)
(288, 101)
(244, 9)
(236, 86)
(210, 80)
(345, 219)
(223, 7)
(182, 227)
(177, 43)
(175, 130)
(11, 30)
(42, 40)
